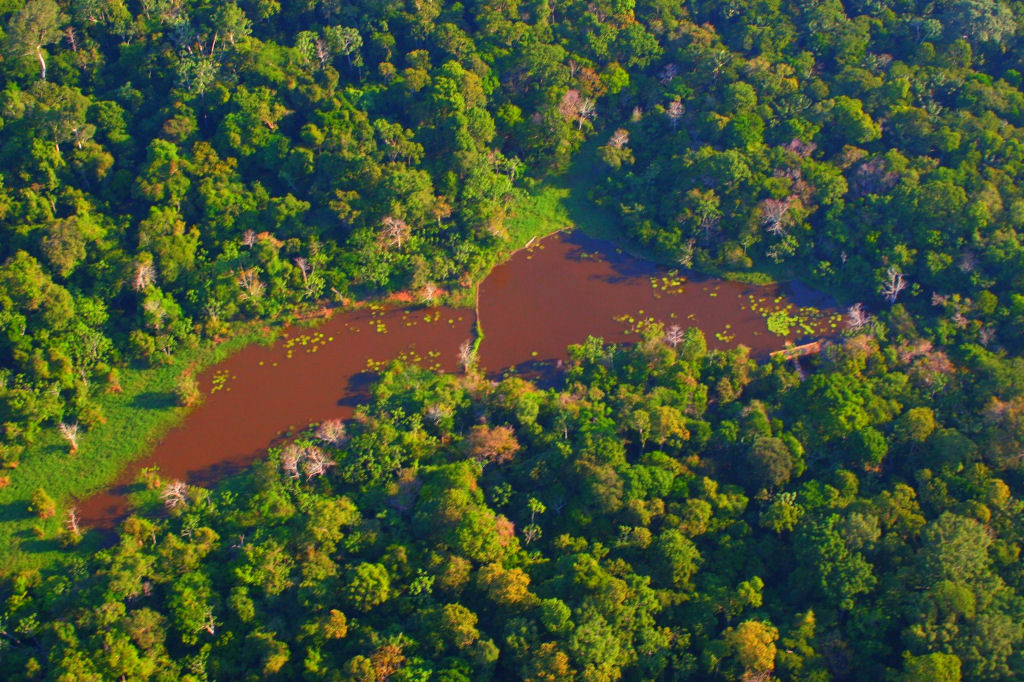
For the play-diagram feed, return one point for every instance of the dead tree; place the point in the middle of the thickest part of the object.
(575, 106)
(466, 355)
(316, 462)
(145, 274)
(303, 265)
(175, 494)
(895, 283)
(774, 215)
(619, 139)
(249, 238)
(674, 335)
(252, 287)
(395, 232)
(429, 292)
(674, 111)
(857, 317)
(290, 458)
(333, 432)
(69, 432)
(668, 73)
(71, 523)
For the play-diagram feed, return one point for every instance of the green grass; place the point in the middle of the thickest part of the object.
(136, 420)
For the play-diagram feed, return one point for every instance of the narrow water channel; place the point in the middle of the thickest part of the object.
(555, 293)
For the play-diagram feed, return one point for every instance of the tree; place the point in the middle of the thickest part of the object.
(174, 494)
(979, 21)
(857, 317)
(368, 585)
(576, 106)
(492, 444)
(753, 644)
(458, 625)
(69, 432)
(333, 432)
(35, 26)
(915, 425)
(935, 667)
(768, 463)
(42, 504)
(892, 286)
(674, 335)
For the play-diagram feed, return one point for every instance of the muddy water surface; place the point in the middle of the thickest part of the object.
(544, 298)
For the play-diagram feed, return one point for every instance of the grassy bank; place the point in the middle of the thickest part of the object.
(136, 420)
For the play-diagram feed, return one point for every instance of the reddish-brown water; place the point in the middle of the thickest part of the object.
(556, 293)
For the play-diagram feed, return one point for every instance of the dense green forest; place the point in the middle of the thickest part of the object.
(663, 512)
(171, 170)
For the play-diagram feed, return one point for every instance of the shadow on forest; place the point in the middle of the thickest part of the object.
(30, 543)
(154, 400)
(14, 511)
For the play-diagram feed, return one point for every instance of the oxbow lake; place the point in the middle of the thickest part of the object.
(544, 298)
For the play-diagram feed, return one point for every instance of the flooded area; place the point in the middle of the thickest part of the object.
(555, 293)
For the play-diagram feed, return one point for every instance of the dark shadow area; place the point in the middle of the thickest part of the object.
(357, 390)
(588, 249)
(154, 400)
(544, 374)
(14, 511)
(31, 544)
(216, 472)
(805, 296)
(127, 488)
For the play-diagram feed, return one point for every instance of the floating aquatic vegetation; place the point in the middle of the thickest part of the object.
(219, 381)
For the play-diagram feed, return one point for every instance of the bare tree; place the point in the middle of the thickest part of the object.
(303, 265)
(332, 431)
(316, 462)
(857, 317)
(895, 283)
(69, 432)
(145, 274)
(668, 73)
(685, 257)
(466, 355)
(323, 53)
(674, 335)
(249, 238)
(290, 458)
(429, 292)
(619, 139)
(775, 215)
(968, 261)
(252, 287)
(174, 494)
(986, 335)
(675, 111)
(576, 106)
(71, 522)
(394, 233)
